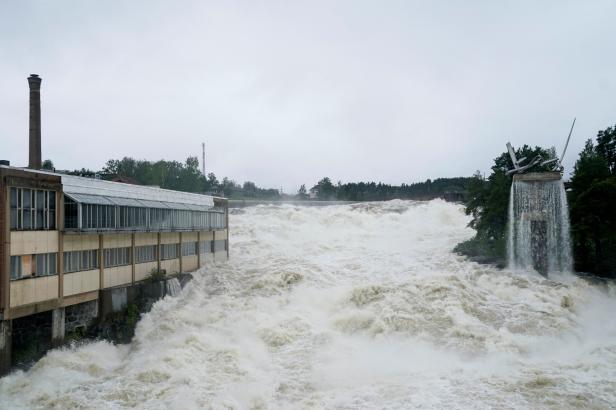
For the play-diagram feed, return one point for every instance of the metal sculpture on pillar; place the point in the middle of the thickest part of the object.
(538, 229)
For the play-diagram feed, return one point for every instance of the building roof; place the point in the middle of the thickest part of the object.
(96, 191)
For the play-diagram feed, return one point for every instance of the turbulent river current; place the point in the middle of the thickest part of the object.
(347, 307)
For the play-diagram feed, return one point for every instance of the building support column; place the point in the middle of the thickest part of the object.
(214, 245)
(158, 251)
(181, 253)
(199, 250)
(132, 257)
(57, 326)
(5, 346)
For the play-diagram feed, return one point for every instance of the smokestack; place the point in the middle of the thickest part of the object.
(34, 81)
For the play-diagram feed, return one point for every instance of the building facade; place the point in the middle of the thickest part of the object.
(66, 239)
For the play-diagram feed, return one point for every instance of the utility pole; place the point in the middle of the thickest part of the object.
(203, 165)
(203, 158)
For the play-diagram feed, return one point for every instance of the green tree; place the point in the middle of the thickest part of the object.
(592, 204)
(326, 189)
(48, 165)
(301, 192)
(606, 147)
(249, 189)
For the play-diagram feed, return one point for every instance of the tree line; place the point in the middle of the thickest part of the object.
(372, 191)
(188, 177)
(174, 175)
(591, 194)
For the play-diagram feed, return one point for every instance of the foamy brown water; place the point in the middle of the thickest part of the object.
(350, 306)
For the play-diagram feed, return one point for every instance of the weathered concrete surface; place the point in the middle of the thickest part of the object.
(80, 316)
(113, 300)
(57, 327)
(538, 176)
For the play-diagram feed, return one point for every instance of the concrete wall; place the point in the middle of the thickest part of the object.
(170, 237)
(190, 236)
(143, 270)
(81, 282)
(80, 242)
(33, 290)
(207, 235)
(142, 239)
(221, 234)
(31, 242)
(117, 240)
(81, 315)
(117, 276)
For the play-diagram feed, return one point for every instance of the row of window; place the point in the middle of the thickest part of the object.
(116, 257)
(32, 209)
(35, 209)
(169, 251)
(189, 248)
(128, 217)
(145, 253)
(75, 261)
(41, 264)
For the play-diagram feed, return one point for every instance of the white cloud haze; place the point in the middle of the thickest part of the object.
(284, 93)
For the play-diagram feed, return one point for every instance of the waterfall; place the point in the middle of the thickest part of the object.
(538, 232)
(173, 287)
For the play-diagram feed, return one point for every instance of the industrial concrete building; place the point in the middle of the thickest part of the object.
(66, 240)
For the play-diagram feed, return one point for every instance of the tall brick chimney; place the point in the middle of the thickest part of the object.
(34, 81)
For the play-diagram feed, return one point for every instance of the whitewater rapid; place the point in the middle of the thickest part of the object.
(347, 307)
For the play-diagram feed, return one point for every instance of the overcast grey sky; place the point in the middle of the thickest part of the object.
(287, 92)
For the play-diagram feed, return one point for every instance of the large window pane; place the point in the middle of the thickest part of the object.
(51, 264)
(15, 267)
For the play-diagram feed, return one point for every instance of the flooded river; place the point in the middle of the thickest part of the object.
(347, 307)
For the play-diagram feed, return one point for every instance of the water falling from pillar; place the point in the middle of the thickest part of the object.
(538, 236)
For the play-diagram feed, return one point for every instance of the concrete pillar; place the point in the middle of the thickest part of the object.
(158, 251)
(57, 326)
(132, 257)
(199, 250)
(5, 346)
(181, 257)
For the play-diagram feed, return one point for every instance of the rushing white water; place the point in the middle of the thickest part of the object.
(173, 287)
(539, 227)
(347, 307)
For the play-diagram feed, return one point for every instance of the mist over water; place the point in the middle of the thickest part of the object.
(350, 306)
